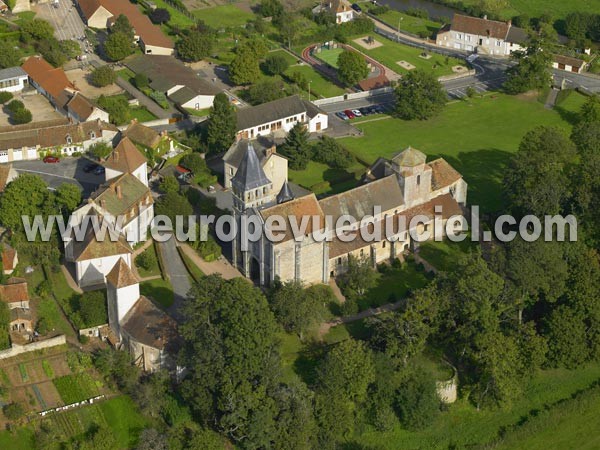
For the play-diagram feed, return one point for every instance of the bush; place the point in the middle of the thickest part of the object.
(349, 307)
(147, 260)
(13, 411)
(42, 326)
(275, 64)
(418, 12)
(379, 10)
(159, 16)
(416, 400)
(209, 250)
(15, 105)
(329, 151)
(140, 80)
(103, 76)
(22, 116)
(5, 96)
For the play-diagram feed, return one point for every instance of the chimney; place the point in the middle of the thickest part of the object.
(118, 191)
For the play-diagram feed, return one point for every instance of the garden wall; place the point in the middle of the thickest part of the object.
(46, 343)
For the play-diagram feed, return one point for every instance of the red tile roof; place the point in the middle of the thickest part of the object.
(15, 290)
(121, 275)
(8, 257)
(306, 206)
(52, 80)
(126, 157)
(480, 27)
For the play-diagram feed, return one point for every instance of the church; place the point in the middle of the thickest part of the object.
(404, 186)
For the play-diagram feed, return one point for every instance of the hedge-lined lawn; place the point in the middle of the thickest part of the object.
(142, 114)
(321, 179)
(477, 137)
(411, 24)
(329, 56)
(178, 19)
(123, 419)
(443, 255)
(391, 52)
(321, 86)
(159, 290)
(154, 269)
(291, 59)
(223, 16)
(75, 388)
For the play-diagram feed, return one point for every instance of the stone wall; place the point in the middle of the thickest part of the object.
(46, 343)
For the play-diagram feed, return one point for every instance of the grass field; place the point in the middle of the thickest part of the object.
(177, 19)
(154, 269)
(329, 56)
(410, 24)
(320, 86)
(141, 114)
(224, 16)
(477, 137)
(391, 52)
(158, 290)
(75, 388)
(443, 255)
(322, 179)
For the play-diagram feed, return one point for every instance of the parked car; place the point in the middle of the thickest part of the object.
(350, 114)
(379, 109)
(356, 8)
(341, 115)
(365, 111)
(51, 159)
(356, 113)
(90, 167)
(99, 170)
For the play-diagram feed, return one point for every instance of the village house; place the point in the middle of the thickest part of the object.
(101, 14)
(137, 325)
(480, 35)
(142, 135)
(568, 63)
(27, 142)
(16, 296)
(10, 259)
(53, 84)
(405, 186)
(340, 8)
(280, 116)
(7, 175)
(12, 79)
(177, 81)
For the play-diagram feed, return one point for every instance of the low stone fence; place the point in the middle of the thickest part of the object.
(457, 76)
(447, 390)
(353, 96)
(89, 401)
(17, 349)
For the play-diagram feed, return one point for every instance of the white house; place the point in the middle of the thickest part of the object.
(474, 34)
(341, 8)
(12, 79)
(568, 63)
(27, 142)
(81, 109)
(281, 114)
(126, 158)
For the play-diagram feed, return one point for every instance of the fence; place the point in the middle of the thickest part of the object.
(33, 346)
(89, 401)
(353, 96)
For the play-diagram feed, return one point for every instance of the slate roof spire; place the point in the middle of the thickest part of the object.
(250, 174)
(285, 194)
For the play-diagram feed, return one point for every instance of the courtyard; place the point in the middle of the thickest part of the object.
(40, 107)
(80, 79)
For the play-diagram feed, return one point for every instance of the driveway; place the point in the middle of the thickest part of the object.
(68, 170)
(177, 274)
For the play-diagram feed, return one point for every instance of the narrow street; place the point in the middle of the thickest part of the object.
(177, 274)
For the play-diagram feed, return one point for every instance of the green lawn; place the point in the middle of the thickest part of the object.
(443, 255)
(19, 439)
(142, 114)
(320, 85)
(159, 290)
(177, 19)
(477, 137)
(321, 179)
(123, 419)
(75, 388)
(224, 16)
(154, 269)
(126, 74)
(192, 268)
(49, 310)
(391, 52)
(198, 112)
(329, 56)
(410, 24)
(291, 59)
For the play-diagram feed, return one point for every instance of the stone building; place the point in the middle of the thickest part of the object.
(404, 187)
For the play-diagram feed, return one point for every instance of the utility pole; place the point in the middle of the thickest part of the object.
(399, 20)
(309, 82)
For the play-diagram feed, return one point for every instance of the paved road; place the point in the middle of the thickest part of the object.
(150, 104)
(177, 274)
(65, 19)
(68, 170)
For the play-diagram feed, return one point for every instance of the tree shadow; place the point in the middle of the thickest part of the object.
(571, 117)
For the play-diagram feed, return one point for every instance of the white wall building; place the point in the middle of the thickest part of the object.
(13, 79)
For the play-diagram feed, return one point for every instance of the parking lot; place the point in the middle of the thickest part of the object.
(65, 19)
(68, 170)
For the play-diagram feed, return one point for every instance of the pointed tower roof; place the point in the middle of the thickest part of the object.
(121, 275)
(250, 174)
(410, 157)
(285, 194)
(126, 157)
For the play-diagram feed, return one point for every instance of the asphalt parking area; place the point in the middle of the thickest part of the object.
(68, 170)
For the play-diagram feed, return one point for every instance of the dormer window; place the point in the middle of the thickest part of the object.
(93, 135)
(69, 139)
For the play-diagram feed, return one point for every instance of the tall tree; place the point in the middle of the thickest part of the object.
(195, 45)
(68, 197)
(352, 67)
(244, 69)
(358, 278)
(118, 46)
(222, 124)
(532, 70)
(122, 25)
(9, 56)
(28, 195)
(296, 147)
(419, 95)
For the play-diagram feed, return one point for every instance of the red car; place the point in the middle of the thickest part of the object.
(350, 114)
(51, 159)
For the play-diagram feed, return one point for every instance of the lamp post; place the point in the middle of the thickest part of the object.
(309, 82)
(399, 20)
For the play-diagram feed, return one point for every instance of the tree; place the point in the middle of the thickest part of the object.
(347, 371)
(4, 326)
(160, 16)
(173, 204)
(15, 105)
(22, 116)
(244, 69)
(295, 307)
(118, 46)
(5, 96)
(296, 426)
(9, 56)
(335, 419)
(266, 90)
(68, 197)
(329, 151)
(358, 278)
(147, 259)
(92, 308)
(13, 411)
(276, 64)
(270, 8)
(100, 150)
(193, 162)
(416, 400)
(532, 70)
(296, 147)
(122, 25)
(538, 179)
(169, 184)
(103, 76)
(36, 29)
(152, 439)
(352, 67)
(52, 51)
(419, 95)
(565, 331)
(28, 195)
(141, 80)
(116, 107)
(195, 45)
(230, 351)
(222, 124)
